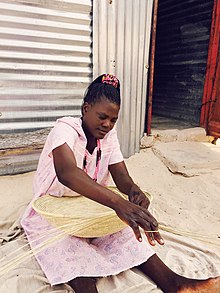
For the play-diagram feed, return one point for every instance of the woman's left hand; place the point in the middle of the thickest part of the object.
(137, 197)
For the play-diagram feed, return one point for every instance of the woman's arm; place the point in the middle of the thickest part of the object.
(126, 185)
(121, 177)
(76, 179)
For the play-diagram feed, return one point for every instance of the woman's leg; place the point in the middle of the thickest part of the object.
(83, 285)
(170, 282)
(163, 277)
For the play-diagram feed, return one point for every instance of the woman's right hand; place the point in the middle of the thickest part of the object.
(136, 216)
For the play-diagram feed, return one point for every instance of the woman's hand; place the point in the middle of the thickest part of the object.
(137, 216)
(134, 212)
(138, 197)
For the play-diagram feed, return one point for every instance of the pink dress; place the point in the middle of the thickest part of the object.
(72, 257)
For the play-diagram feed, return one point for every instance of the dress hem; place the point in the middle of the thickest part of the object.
(104, 275)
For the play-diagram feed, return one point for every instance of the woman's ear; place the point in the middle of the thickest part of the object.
(85, 107)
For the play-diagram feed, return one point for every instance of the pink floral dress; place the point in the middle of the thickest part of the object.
(72, 257)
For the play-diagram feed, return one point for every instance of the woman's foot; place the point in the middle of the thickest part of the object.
(201, 286)
(83, 285)
(170, 282)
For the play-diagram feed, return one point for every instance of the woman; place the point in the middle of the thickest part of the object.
(78, 156)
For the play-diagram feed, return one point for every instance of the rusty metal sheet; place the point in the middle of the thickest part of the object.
(210, 115)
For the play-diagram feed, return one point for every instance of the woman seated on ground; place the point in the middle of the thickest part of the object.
(78, 156)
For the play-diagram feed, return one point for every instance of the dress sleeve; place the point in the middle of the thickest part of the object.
(116, 155)
(61, 133)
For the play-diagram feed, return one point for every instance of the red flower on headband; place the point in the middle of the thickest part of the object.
(110, 79)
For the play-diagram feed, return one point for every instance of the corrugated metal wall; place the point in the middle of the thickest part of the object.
(45, 61)
(183, 30)
(121, 39)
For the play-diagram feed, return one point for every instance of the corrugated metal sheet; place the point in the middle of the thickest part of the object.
(183, 31)
(121, 39)
(210, 113)
(45, 61)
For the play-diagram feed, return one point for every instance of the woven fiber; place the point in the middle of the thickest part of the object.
(80, 216)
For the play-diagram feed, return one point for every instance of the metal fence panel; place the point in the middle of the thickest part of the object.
(121, 41)
(45, 61)
(183, 32)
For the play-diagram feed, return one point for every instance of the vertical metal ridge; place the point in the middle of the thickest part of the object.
(125, 27)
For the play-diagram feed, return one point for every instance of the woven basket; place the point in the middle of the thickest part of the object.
(80, 216)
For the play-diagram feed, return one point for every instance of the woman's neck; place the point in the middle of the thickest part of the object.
(91, 140)
(91, 146)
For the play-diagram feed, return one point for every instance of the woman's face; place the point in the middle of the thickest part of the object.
(99, 118)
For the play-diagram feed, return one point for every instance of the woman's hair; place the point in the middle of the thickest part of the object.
(104, 86)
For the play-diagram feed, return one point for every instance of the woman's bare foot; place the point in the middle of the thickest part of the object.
(170, 282)
(201, 286)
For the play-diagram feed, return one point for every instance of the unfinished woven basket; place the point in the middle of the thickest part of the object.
(80, 216)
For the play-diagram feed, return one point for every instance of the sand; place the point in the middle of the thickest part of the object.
(185, 199)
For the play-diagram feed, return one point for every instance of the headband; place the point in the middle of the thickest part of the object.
(110, 79)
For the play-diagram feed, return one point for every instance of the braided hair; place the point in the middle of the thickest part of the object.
(104, 86)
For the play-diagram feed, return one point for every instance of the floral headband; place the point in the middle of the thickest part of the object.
(110, 79)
